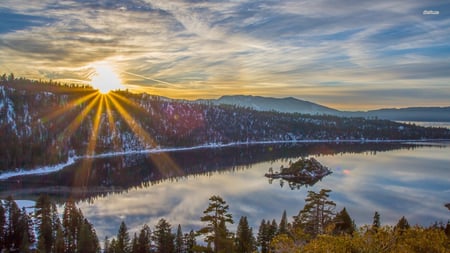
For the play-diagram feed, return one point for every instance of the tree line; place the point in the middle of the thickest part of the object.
(316, 228)
(43, 123)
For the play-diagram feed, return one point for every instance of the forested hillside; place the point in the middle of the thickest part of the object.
(43, 122)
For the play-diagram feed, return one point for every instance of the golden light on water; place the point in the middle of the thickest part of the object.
(105, 78)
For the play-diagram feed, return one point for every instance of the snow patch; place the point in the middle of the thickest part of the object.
(38, 171)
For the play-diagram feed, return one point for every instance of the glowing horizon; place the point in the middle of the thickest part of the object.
(332, 53)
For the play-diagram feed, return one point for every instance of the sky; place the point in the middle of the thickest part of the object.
(348, 54)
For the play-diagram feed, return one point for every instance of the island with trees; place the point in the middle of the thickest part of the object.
(305, 171)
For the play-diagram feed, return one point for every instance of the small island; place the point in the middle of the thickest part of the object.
(301, 172)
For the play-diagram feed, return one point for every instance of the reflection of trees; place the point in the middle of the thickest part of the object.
(101, 176)
(296, 184)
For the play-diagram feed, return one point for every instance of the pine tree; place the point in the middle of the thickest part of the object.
(245, 241)
(26, 228)
(262, 238)
(106, 245)
(2, 226)
(402, 225)
(112, 246)
(343, 223)
(179, 244)
(272, 229)
(283, 227)
(134, 244)
(72, 221)
(225, 238)
(123, 239)
(59, 245)
(215, 215)
(144, 240)
(163, 237)
(376, 221)
(13, 234)
(190, 242)
(87, 239)
(46, 221)
(447, 229)
(316, 214)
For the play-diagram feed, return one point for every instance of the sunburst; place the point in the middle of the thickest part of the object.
(105, 78)
(104, 106)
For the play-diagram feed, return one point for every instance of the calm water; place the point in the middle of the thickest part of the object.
(428, 124)
(393, 179)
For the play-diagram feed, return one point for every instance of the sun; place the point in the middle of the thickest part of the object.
(105, 79)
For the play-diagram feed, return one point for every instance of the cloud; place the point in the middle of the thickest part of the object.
(271, 48)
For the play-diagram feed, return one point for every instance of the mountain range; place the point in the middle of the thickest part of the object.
(294, 105)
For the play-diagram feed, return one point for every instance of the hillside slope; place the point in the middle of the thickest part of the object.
(44, 123)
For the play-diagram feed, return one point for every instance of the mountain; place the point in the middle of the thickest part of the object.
(288, 105)
(431, 114)
(43, 123)
(293, 105)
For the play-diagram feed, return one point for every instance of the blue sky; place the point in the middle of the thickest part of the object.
(349, 55)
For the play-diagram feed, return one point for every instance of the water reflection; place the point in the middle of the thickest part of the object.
(395, 180)
(90, 178)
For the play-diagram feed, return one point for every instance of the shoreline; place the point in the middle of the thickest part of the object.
(71, 160)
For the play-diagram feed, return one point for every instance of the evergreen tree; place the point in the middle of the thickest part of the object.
(216, 216)
(316, 214)
(376, 221)
(87, 239)
(263, 237)
(144, 240)
(13, 233)
(134, 244)
(272, 229)
(225, 241)
(27, 229)
(72, 221)
(59, 245)
(402, 225)
(283, 227)
(179, 244)
(245, 241)
(44, 223)
(123, 239)
(163, 237)
(106, 245)
(2, 226)
(343, 223)
(447, 229)
(190, 242)
(112, 246)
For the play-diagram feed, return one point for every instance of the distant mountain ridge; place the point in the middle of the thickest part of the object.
(289, 104)
(294, 105)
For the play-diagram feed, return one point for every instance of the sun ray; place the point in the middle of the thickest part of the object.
(97, 119)
(111, 121)
(164, 162)
(148, 141)
(82, 175)
(68, 107)
(75, 124)
(127, 101)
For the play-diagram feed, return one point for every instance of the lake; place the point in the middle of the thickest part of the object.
(395, 179)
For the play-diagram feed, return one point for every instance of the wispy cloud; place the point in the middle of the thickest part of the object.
(272, 48)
